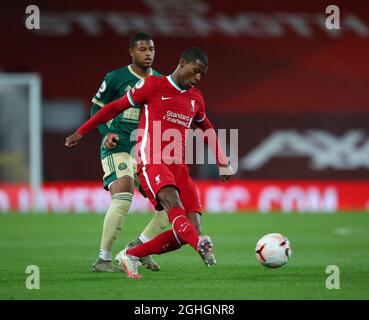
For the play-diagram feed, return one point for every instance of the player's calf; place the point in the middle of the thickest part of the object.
(195, 218)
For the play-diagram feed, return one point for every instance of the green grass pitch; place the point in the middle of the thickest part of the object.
(65, 246)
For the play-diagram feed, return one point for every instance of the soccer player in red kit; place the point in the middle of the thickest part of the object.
(170, 105)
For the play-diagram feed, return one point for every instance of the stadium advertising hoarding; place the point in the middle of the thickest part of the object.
(326, 197)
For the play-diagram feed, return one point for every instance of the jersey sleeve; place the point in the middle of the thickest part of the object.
(106, 92)
(110, 111)
(103, 128)
(141, 92)
(104, 95)
(214, 144)
(200, 114)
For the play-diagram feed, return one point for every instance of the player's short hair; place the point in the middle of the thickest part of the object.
(193, 53)
(138, 37)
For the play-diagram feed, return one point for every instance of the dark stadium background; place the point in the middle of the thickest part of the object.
(276, 74)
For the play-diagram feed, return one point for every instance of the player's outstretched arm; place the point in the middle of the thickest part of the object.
(110, 111)
(72, 140)
(103, 128)
(225, 169)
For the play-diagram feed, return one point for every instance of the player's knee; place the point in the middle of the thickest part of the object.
(169, 198)
(123, 184)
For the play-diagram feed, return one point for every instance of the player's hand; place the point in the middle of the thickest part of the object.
(225, 172)
(111, 140)
(73, 139)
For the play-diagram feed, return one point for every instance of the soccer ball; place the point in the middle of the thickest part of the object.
(273, 250)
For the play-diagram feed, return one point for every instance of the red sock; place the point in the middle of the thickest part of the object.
(183, 227)
(164, 242)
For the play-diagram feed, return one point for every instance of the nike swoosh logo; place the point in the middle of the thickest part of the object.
(165, 98)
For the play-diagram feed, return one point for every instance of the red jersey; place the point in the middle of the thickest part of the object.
(166, 115)
(167, 112)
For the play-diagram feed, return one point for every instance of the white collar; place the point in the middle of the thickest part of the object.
(135, 74)
(174, 84)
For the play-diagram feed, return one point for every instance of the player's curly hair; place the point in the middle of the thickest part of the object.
(138, 37)
(193, 53)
